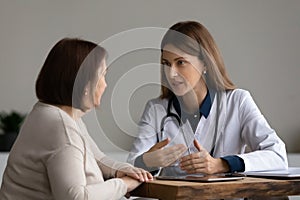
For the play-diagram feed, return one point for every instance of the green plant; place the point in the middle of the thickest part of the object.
(11, 122)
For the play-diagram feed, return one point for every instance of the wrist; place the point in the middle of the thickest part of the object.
(223, 166)
(117, 174)
(145, 159)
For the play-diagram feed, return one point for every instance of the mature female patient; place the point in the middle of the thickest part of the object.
(202, 123)
(54, 157)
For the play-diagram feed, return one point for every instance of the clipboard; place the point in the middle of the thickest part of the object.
(291, 172)
(203, 178)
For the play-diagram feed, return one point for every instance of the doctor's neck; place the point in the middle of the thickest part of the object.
(192, 100)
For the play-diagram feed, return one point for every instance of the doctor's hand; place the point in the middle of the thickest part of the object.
(157, 156)
(202, 162)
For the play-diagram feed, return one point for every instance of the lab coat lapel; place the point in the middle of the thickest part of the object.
(206, 128)
(219, 147)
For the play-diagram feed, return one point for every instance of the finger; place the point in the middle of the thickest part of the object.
(191, 157)
(161, 144)
(182, 149)
(141, 175)
(149, 175)
(141, 179)
(178, 153)
(170, 159)
(195, 167)
(188, 167)
(185, 163)
(135, 173)
(145, 176)
(196, 171)
(197, 145)
(193, 162)
(190, 162)
(174, 150)
(202, 151)
(199, 157)
(135, 176)
(140, 172)
(173, 157)
(171, 154)
(200, 168)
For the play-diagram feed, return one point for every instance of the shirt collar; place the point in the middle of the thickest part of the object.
(204, 108)
(206, 105)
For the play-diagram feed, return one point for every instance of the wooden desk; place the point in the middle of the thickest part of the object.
(248, 187)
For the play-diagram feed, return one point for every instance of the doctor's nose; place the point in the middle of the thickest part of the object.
(173, 72)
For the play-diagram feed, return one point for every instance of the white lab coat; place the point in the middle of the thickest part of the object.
(240, 124)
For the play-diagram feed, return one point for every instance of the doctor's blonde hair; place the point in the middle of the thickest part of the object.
(194, 39)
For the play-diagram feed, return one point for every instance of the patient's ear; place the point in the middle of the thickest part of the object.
(87, 98)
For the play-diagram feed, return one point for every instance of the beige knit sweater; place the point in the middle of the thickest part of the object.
(55, 158)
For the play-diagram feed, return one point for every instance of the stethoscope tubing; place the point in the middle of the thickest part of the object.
(178, 119)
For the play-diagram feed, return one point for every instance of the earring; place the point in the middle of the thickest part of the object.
(85, 93)
(204, 72)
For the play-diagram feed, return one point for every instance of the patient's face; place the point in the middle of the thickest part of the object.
(101, 84)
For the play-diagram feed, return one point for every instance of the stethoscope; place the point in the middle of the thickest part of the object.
(170, 114)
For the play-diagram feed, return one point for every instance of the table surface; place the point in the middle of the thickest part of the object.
(247, 187)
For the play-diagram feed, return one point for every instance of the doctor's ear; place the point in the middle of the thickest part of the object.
(204, 72)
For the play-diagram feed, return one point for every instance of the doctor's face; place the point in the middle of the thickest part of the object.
(183, 71)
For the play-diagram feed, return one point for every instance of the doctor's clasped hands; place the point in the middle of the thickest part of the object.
(202, 162)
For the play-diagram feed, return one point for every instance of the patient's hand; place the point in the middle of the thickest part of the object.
(135, 173)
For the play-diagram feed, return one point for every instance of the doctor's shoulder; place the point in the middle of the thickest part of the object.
(239, 97)
(157, 104)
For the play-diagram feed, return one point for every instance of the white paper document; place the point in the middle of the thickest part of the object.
(291, 172)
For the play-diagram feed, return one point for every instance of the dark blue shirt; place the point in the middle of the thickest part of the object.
(193, 118)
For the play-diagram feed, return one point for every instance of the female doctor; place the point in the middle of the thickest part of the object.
(202, 123)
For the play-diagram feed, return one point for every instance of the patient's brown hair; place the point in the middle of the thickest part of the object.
(58, 82)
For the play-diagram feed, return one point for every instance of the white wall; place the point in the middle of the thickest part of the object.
(259, 40)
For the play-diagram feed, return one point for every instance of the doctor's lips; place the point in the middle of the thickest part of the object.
(176, 83)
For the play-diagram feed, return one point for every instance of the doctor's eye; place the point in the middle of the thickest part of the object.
(165, 63)
(181, 62)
